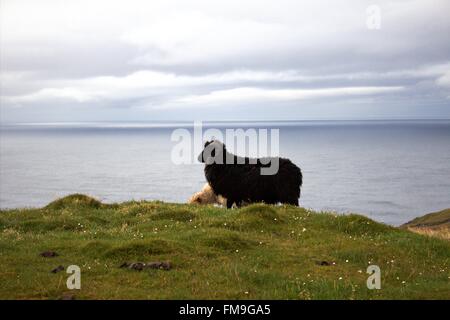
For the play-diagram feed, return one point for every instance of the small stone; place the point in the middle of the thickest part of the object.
(49, 254)
(139, 266)
(58, 269)
(323, 263)
(159, 265)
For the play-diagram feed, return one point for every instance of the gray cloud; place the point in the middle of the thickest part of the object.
(171, 59)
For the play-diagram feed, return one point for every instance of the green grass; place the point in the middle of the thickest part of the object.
(257, 252)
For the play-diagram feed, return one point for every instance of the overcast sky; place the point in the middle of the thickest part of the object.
(185, 60)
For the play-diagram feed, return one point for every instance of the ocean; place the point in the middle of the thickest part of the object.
(390, 171)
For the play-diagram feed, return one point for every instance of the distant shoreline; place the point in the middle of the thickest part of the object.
(433, 224)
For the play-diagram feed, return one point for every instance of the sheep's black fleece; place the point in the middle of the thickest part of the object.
(242, 180)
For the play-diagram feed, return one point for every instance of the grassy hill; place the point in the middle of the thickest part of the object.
(433, 224)
(256, 252)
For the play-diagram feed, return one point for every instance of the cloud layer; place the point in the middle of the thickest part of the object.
(104, 60)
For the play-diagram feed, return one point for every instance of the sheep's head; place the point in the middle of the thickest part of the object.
(196, 198)
(206, 196)
(213, 152)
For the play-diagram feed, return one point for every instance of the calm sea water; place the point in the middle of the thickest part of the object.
(391, 171)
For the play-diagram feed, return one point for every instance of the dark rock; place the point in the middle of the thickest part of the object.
(323, 263)
(49, 254)
(58, 269)
(159, 265)
(139, 266)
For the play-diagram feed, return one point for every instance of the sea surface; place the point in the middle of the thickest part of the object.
(391, 171)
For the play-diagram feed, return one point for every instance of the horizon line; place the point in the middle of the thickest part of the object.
(221, 120)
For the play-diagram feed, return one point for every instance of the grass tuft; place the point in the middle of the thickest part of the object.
(139, 249)
(174, 215)
(229, 241)
(77, 200)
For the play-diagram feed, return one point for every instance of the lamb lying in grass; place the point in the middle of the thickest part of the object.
(207, 196)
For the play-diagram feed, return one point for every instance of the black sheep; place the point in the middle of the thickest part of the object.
(239, 179)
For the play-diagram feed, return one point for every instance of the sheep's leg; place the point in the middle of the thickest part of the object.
(229, 203)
